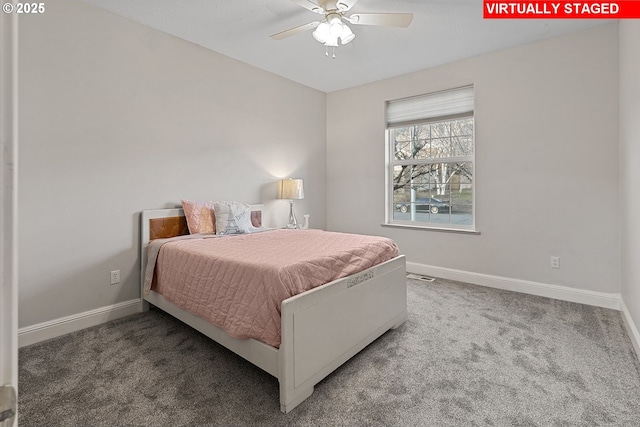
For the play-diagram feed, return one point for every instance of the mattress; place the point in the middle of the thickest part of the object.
(238, 282)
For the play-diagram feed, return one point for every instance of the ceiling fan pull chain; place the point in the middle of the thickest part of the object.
(326, 51)
(334, 53)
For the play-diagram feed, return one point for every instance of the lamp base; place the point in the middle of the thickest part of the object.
(293, 222)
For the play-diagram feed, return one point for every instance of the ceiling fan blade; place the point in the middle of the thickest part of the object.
(309, 6)
(382, 19)
(344, 5)
(294, 31)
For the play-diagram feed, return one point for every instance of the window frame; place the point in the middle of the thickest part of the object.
(389, 175)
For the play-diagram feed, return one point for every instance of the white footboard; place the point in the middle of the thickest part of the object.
(325, 327)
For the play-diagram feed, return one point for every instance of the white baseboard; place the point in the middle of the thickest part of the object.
(57, 327)
(563, 293)
(632, 330)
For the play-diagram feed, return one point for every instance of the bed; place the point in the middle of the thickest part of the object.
(319, 329)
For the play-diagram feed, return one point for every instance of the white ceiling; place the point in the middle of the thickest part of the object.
(442, 31)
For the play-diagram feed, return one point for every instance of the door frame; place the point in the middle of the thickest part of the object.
(9, 199)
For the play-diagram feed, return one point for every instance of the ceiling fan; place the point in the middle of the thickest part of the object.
(333, 28)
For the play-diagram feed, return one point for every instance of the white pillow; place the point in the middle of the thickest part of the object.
(232, 218)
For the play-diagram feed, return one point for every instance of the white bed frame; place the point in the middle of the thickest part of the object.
(321, 328)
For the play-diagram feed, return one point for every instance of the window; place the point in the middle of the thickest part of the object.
(431, 160)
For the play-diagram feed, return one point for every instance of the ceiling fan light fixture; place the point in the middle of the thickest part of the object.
(347, 35)
(322, 33)
(332, 42)
(335, 27)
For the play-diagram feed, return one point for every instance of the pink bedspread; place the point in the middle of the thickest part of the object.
(238, 282)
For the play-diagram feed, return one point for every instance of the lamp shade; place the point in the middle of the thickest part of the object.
(291, 189)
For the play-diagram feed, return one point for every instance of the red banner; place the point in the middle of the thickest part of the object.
(623, 9)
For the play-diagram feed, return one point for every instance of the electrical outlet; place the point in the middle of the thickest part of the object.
(115, 277)
(555, 262)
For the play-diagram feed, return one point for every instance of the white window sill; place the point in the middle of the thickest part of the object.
(430, 228)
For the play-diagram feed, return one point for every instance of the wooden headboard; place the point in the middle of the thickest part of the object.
(162, 228)
(165, 223)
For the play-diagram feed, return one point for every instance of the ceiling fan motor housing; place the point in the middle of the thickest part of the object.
(331, 5)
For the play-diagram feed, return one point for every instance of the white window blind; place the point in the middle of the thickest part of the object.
(438, 105)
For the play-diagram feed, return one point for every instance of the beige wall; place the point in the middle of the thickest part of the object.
(116, 118)
(546, 171)
(630, 167)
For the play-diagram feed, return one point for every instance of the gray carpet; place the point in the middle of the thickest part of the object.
(467, 356)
